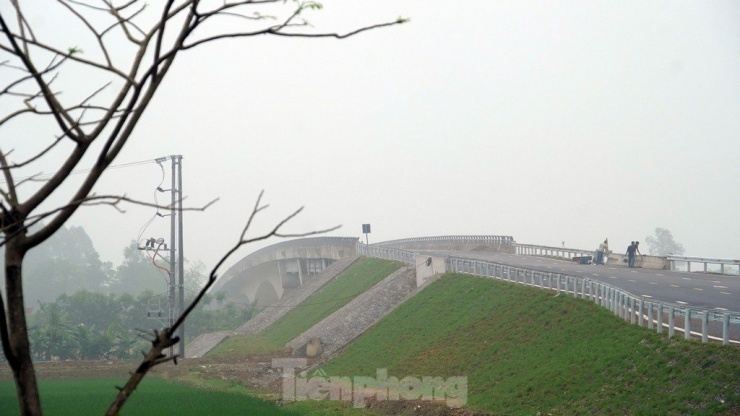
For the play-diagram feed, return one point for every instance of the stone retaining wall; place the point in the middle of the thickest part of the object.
(361, 313)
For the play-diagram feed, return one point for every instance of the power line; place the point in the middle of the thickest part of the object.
(46, 176)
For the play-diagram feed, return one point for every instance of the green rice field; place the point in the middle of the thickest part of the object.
(80, 397)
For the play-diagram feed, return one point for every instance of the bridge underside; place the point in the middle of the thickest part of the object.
(266, 282)
(264, 275)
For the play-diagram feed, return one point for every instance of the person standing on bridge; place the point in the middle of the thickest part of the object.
(602, 252)
(631, 254)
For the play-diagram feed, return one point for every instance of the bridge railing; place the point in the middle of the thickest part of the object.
(387, 253)
(489, 239)
(562, 252)
(635, 309)
(723, 263)
(726, 266)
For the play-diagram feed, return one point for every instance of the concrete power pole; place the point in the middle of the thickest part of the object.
(177, 270)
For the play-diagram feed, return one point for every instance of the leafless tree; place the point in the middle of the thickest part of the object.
(132, 46)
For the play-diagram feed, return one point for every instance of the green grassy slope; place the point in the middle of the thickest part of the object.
(358, 278)
(526, 350)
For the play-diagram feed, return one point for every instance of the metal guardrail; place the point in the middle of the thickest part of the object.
(495, 239)
(407, 257)
(672, 260)
(632, 308)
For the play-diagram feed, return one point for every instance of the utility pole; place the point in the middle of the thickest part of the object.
(176, 269)
(180, 255)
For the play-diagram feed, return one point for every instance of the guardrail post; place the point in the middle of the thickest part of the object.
(704, 327)
(639, 312)
(687, 324)
(557, 282)
(549, 281)
(726, 329)
(575, 287)
(625, 307)
(660, 318)
(583, 288)
(632, 310)
(650, 315)
(623, 313)
(671, 321)
(615, 301)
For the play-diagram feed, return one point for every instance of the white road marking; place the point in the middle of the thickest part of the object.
(612, 277)
(681, 302)
(653, 283)
(698, 288)
(716, 281)
(686, 278)
(721, 309)
(658, 274)
(646, 296)
(632, 280)
(675, 286)
(720, 287)
(725, 293)
(594, 274)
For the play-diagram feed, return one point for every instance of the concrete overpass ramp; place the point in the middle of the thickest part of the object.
(264, 275)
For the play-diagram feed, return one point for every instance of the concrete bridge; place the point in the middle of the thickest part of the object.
(266, 274)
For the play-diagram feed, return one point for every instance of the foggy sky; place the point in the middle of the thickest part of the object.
(548, 121)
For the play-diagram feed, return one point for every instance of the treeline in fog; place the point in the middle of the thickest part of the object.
(80, 307)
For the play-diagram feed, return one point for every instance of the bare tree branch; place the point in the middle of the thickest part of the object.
(98, 125)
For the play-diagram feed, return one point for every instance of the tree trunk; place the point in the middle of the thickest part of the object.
(20, 362)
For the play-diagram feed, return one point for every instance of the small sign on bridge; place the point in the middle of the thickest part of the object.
(366, 231)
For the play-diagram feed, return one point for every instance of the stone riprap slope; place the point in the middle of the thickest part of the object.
(344, 325)
(206, 342)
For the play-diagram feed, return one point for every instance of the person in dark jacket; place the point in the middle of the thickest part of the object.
(631, 254)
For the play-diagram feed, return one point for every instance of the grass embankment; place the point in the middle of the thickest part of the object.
(358, 278)
(80, 397)
(526, 351)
